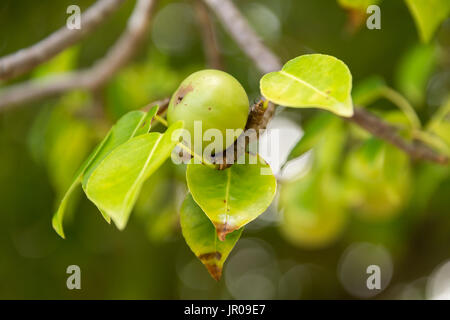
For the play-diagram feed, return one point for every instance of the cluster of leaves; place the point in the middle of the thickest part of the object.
(112, 177)
(372, 181)
(113, 174)
(221, 202)
(76, 117)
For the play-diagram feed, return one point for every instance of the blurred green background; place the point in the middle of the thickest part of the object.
(352, 202)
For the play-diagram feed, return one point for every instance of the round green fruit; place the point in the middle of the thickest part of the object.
(309, 221)
(213, 97)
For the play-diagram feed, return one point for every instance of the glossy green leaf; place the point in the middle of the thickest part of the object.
(201, 237)
(115, 183)
(314, 80)
(233, 197)
(131, 124)
(314, 130)
(428, 15)
(49, 135)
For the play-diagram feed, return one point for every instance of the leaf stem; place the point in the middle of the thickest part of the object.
(161, 120)
(403, 104)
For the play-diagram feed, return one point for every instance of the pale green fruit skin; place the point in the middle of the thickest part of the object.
(314, 216)
(212, 96)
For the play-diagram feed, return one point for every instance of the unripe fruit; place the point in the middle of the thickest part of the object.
(377, 176)
(309, 222)
(213, 97)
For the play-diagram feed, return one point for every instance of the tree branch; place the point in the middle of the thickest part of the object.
(266, 61)
(26, 59)
(206, 26)
(258, 118)
(236, 24)
(94, 77)
(389, 133)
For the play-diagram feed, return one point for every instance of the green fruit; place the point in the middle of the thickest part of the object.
(314, 216)
(213, 97)
(377, 180)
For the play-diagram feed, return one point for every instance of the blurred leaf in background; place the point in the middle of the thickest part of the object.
(143, 82)
(428, 15)
(413, 72)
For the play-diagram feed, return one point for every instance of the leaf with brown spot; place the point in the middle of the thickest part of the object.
(233, 197)
(200, 235)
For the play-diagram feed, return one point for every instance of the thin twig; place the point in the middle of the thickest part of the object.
(26, 59)
(94, 77)
(266, 61)
(208, 32)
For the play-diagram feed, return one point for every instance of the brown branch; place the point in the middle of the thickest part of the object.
(94, 77)
(236, 24)
(208, 32)
(389, 133)
(266, 61)
(258, 118)
(26, 59)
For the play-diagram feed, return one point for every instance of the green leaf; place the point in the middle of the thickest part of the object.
(62, 62)
(314, 130)
(200, 235)
(58, 217)
(428, 15)
(315, 80)
(329, 149)
(414, 72)
(233, 197)
(115, 183)
(368, 90)
(131, 124)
